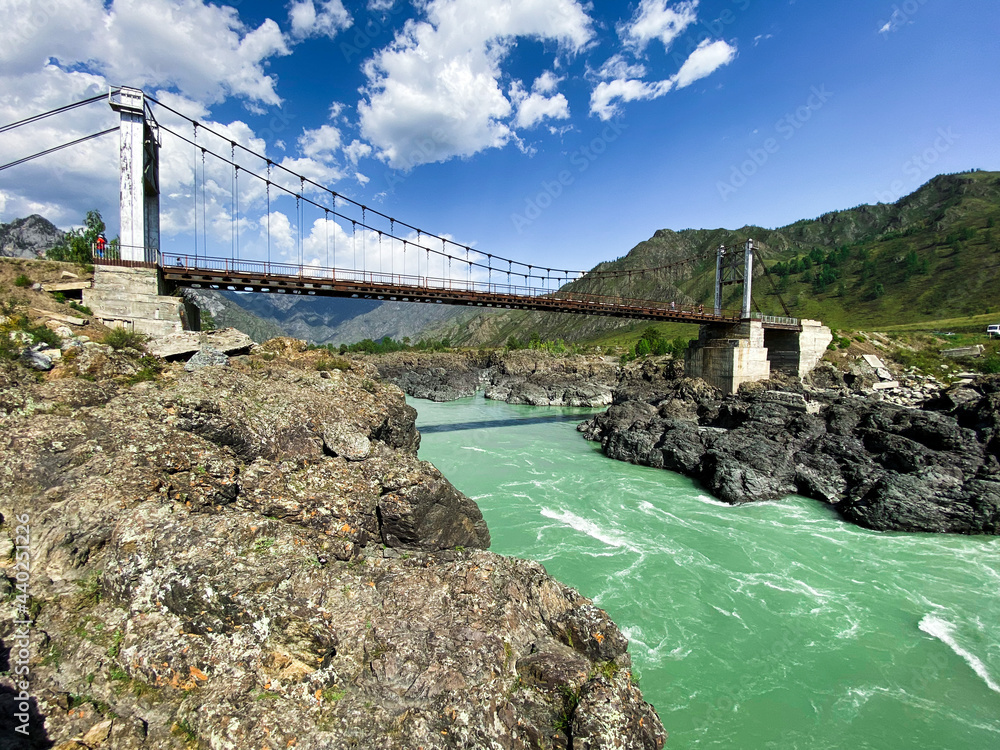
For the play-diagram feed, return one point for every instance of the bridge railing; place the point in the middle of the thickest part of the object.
(270, 272)
(774, 319)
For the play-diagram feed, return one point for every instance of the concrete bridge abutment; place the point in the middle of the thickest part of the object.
(138, 298)
(726, 356)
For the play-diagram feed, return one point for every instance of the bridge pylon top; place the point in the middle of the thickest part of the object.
(128, 100)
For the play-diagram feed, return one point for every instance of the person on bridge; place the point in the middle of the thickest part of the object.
(701, 309)
(100, 245)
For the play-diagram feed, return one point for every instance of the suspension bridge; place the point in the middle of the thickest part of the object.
(238, 236)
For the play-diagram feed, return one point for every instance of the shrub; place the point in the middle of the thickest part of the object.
(81, 308)
(991, 364)
(151, 367)
(22, 281)
(334, 363)
(59, 297)
(8, 349)
(45, 335)
(123, 338)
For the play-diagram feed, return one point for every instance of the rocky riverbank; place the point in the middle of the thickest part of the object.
(517, 377)
(252, 555)
(919, 456)
(883, 466)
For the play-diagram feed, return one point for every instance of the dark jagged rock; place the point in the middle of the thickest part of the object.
(883, 466)
(434, 376)
(254, 556)
(648, 380)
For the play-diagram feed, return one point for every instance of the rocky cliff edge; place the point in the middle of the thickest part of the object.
(252, 556)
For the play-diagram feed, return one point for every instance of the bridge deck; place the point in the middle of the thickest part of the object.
(262, 276)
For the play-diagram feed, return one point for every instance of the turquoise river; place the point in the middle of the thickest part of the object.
(773, 625)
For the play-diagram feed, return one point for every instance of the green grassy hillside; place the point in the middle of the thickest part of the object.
(934, 255)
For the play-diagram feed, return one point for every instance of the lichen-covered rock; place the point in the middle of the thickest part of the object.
(340, 440)
(209, 569)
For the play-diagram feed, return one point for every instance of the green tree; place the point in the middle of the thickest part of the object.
(77, 245)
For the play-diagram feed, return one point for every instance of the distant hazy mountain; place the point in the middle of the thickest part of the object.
(321, 320)
(28, 238)
(228, 314)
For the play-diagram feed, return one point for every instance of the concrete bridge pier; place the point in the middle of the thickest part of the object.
(727, 356)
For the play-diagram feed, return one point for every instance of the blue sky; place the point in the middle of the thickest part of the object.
(551, 131)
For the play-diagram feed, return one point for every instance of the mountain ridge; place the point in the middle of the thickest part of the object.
(870, 265)
(29, 237)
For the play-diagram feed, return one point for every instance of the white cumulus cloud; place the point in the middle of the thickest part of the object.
(322, 144)
(705, 60)
(204, 50)
(435, 92)
(619, 81)
(191, 55)
(534, 107)
(356, 151)
(604, 98)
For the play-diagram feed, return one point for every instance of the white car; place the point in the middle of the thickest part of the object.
(993, 330)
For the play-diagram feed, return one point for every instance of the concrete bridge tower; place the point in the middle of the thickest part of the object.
(139, 159)
(130, 291)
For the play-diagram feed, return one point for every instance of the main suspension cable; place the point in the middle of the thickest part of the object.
(323, 188)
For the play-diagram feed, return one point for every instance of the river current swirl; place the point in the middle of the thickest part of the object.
(772, 625)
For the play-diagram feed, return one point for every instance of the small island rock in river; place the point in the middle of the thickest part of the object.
(517, 377)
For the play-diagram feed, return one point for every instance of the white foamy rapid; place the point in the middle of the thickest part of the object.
(944, 631)
(585, 526)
